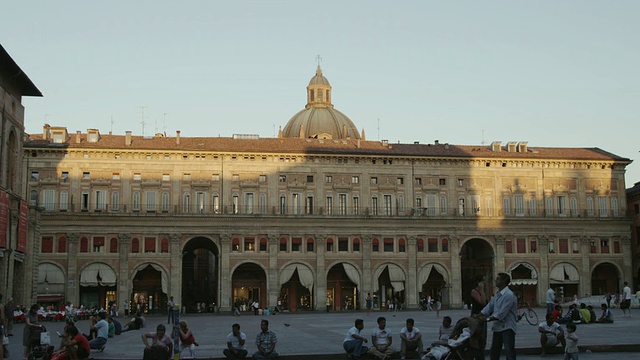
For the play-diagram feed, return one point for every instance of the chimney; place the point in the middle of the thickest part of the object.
(385, 142)
(177, 137)
(358, 144)
(436, 142)
(78, 137)
(46, 132)
(127, 139)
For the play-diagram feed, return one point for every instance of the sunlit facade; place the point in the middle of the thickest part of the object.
(319, 216)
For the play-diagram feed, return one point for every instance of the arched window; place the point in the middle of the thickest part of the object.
(164, 246)
(84, 245)
(115, 201)
(375, 245)
(235, 244)
(186, 202)
(165, 202)
(135, 246)
(401, 245)
(113, 246)
(420, 245)
(62, 244)
(356, 245)
(135, 206)
(533, 206)
(283, 244)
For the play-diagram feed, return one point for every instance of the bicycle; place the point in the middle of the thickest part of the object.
(525, 310)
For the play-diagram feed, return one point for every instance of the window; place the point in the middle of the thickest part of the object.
(137, 176)
(309, 245)
(115, 176)
(614, 206)
(562, 206)
(151, 201)
(46, 246)
(432, 245)
(234, 204)
(135, 246)
(533, 207)
(343, 244)
(420, 245)
(282, 178)
(263, 244)
(65, 176)
(356, 245)
(149, 244)
(342, 204)
(135, 206)
(375, 245)
(98, 244)
(186, 177)
(574, 206)
(602, 206)
(49, 199)
(216, 204)
(604, 246)
(84, 245)
(215, 177)
(164, 246)
(249, 244)
(506, 205)
(521, 246)
(296, 244)
(165, 202)
(200, 202)
(329, 208)
(235, 177)
(489, 206)
(283, 204)
(518, 199)
(84, 206)
(418, 181)
(308, 205)
(355, 205)
(113, 246)
(592, 247)
(564, 246)
(548, 206)
(329, 245)
(62, 244)
(355, 179)
(508, 247)
(35, 175)
(263, 203)
(475, 204)
(101, 200)
(461, 206)
(534, 246)
(374, 180)
(86, 175)
(235, 244)
(402, 247)
(388, 206)
(399, 181)
(419, 202)
(262, 178)
(166, 177)
(552, 246)
(309, 178)
(445, 245)
(249, 203)
(374, 205)
(115, 201)
(328, 179)
(460, 182)
(442, 182)
(186, 202)
(590, 209)
(616, 247)
(443, 204)
(575, 247)
(401, 204)
(388, 244)
(64, 201)
(58, 138)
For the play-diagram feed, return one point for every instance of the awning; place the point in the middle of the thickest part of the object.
(50, 273)
(524, 282)
(47, 298)
(98, 274)
(564, 273)
(533, 280)
(304, 274)
(396, 276)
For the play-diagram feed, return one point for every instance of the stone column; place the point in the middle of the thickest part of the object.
(175, 275)
(273, 281)
(125, 285)
(499, 262)
(225, 286)
(73, 293)
(455, 283)
(627, 271)
(411, 300)
(543, 277)
(321, 273)
(585, 271)
(366, 268)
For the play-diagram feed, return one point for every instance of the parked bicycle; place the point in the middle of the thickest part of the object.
(525, 310)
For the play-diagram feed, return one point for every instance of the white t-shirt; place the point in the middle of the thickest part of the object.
(235, 343)
(551, 296)
(353, 331)
(410, 335)
(102, 327)
(555, 328)
(627, 293)
(382, 335)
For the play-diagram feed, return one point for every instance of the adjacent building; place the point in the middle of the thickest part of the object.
(318, 215)
(18, 221)
(633, 210)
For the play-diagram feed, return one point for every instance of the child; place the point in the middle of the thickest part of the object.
(445, 329)
(571, 351)
(557, 313)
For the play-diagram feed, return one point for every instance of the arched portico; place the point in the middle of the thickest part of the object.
(200, 275)
(389, 284)
(524, 282)
(343, 282)
(249, 284)
(605, 279)
(97, 285)
(296, 287)
(564, 278)
(433, 281)
(476, 259)
(150, 288)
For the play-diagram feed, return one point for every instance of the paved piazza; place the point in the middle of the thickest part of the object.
(315, 333)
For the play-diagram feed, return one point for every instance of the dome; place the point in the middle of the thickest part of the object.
(319, 119)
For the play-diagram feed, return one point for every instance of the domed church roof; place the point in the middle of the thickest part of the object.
(319, 119)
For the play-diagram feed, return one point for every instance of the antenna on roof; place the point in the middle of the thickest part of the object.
(482, 141)
(112, 122)
(378, 129)
(164, 124)
(142, 117)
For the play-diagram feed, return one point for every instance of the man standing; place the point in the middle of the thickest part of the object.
(9, 309)
(235, 344)
(410, 339)
(551, 300)
(551, 334)
(353, 341)
(381, 340)
(266, 342)
(502, 310)
(170, 311)
(626, 300)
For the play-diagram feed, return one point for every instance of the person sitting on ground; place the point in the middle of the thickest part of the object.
(100, 330)
(592, 313)
(112, 327)
(352, 343)
(135, 323)
(557, 313)
(551, 334)
(381, 340)
(585, 314)
(187, 340)
(445, 329)
(161, 347)
(117, 326)
(266, 341)
(235, 344)
(76, 345)
(572, 315)
(410, 339)
(607, 315)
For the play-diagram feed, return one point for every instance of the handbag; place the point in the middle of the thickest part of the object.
(5, 340)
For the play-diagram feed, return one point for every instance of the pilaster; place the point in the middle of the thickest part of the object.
(627, 274)
(543, 276)
(175, 278)
(456, 278)
(225, 285)
(412, 282)
(499, 262)
(124, 282)
(321, 273)
(273, 287)
(72, 271)
(366, 268)
(585, 276)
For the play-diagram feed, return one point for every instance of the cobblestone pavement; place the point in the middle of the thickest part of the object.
(315, 333)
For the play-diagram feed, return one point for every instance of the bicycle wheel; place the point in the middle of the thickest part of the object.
(532, 317)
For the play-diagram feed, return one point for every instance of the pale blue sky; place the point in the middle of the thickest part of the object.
(553, 73)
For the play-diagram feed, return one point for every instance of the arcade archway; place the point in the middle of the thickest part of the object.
(605, 279)
(97, 285)
(524, 282)
(200, 274)
(476, 259)
(150, 287)
(296, 291)
(249, 284)
(342, 287)
(564, 278)
(389, 285)
(433, 281)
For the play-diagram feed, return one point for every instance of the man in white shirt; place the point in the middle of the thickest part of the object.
(551, 334)
(101, 328)
(381, 340)
(410, 339)
(551, 300)
(626, 300)
(352, 343)
(235, 344)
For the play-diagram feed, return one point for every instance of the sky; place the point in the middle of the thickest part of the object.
(552, 73)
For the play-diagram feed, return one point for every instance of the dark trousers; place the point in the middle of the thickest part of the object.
(230, 355)
(506, 338)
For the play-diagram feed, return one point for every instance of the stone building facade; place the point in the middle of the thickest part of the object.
(633, 210)
(319, 215)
